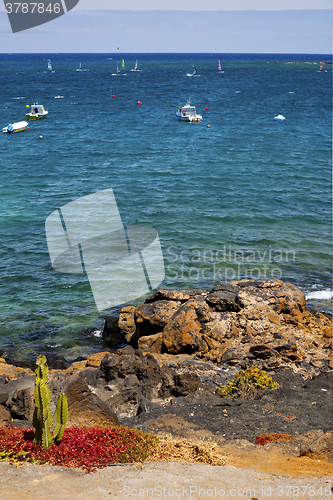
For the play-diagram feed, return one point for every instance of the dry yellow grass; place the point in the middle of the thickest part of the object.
(185, 451)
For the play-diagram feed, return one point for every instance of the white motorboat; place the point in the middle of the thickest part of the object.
(12, 128)
(37, 112)
(279, 118)
(188, 113)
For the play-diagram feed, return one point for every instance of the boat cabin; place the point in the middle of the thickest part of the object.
(37, 109)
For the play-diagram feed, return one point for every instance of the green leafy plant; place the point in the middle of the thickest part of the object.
(247, 383)
(42, 418)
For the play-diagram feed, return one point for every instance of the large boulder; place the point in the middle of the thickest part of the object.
(86, 408)
(152, 317)
(183, 332)
(281, 297)
(151, 343)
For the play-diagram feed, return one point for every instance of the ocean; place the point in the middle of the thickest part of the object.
(245, 197)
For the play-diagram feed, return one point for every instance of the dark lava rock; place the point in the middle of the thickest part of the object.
(146, 406)
(58, 362)
(223, 297)
(130, 368)
(201, 397)
(185, 383)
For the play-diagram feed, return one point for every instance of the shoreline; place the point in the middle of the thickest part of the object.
(59, 359)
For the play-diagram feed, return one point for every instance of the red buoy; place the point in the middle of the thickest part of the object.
(113, 96)
(207, 108)
(139, 102)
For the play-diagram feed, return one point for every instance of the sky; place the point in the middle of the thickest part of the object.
(219, 26)
(199, 5)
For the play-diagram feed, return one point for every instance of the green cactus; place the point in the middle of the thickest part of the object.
(42, 419)
(62, 417)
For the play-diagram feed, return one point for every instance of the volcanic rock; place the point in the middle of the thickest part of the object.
(241, 323)
(85, 408)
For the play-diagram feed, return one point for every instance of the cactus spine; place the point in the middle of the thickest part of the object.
(42, 419)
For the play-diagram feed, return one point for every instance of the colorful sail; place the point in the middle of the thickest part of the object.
(49, 65)
(123, 64)
(194, 70)
(219, 66)
(321, 66)
(136, 65)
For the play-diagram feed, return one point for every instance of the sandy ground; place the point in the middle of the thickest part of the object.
(255, 475)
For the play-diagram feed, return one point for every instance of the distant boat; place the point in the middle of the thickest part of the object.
(188, 113)
(321, 66)
(194, 71)
(12, 128)
(123, 64)
(49, 66)
(37, 112)
(118, 70)
(81, 69)
(279, 118)
(136, 67)
(219, 66)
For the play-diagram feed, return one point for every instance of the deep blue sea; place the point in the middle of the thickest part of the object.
(246, 197)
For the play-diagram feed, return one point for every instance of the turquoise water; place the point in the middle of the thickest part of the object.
(248, 197)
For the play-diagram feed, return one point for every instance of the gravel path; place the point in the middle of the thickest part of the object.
(163, 480)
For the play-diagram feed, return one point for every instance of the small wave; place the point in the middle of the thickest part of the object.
(320, 295)
(18, 97)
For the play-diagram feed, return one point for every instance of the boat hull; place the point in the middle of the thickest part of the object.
(15, 127)
(196, 118)
(188, 113)
(34, 117)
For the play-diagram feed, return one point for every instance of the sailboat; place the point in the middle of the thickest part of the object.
(321, 66)
(219, 66)
(49, 66)
(194, 71)
(123, 64)
(118, 70)
(80, 68)
(136, 67)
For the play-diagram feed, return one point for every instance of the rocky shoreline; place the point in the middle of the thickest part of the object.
(181, 345)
